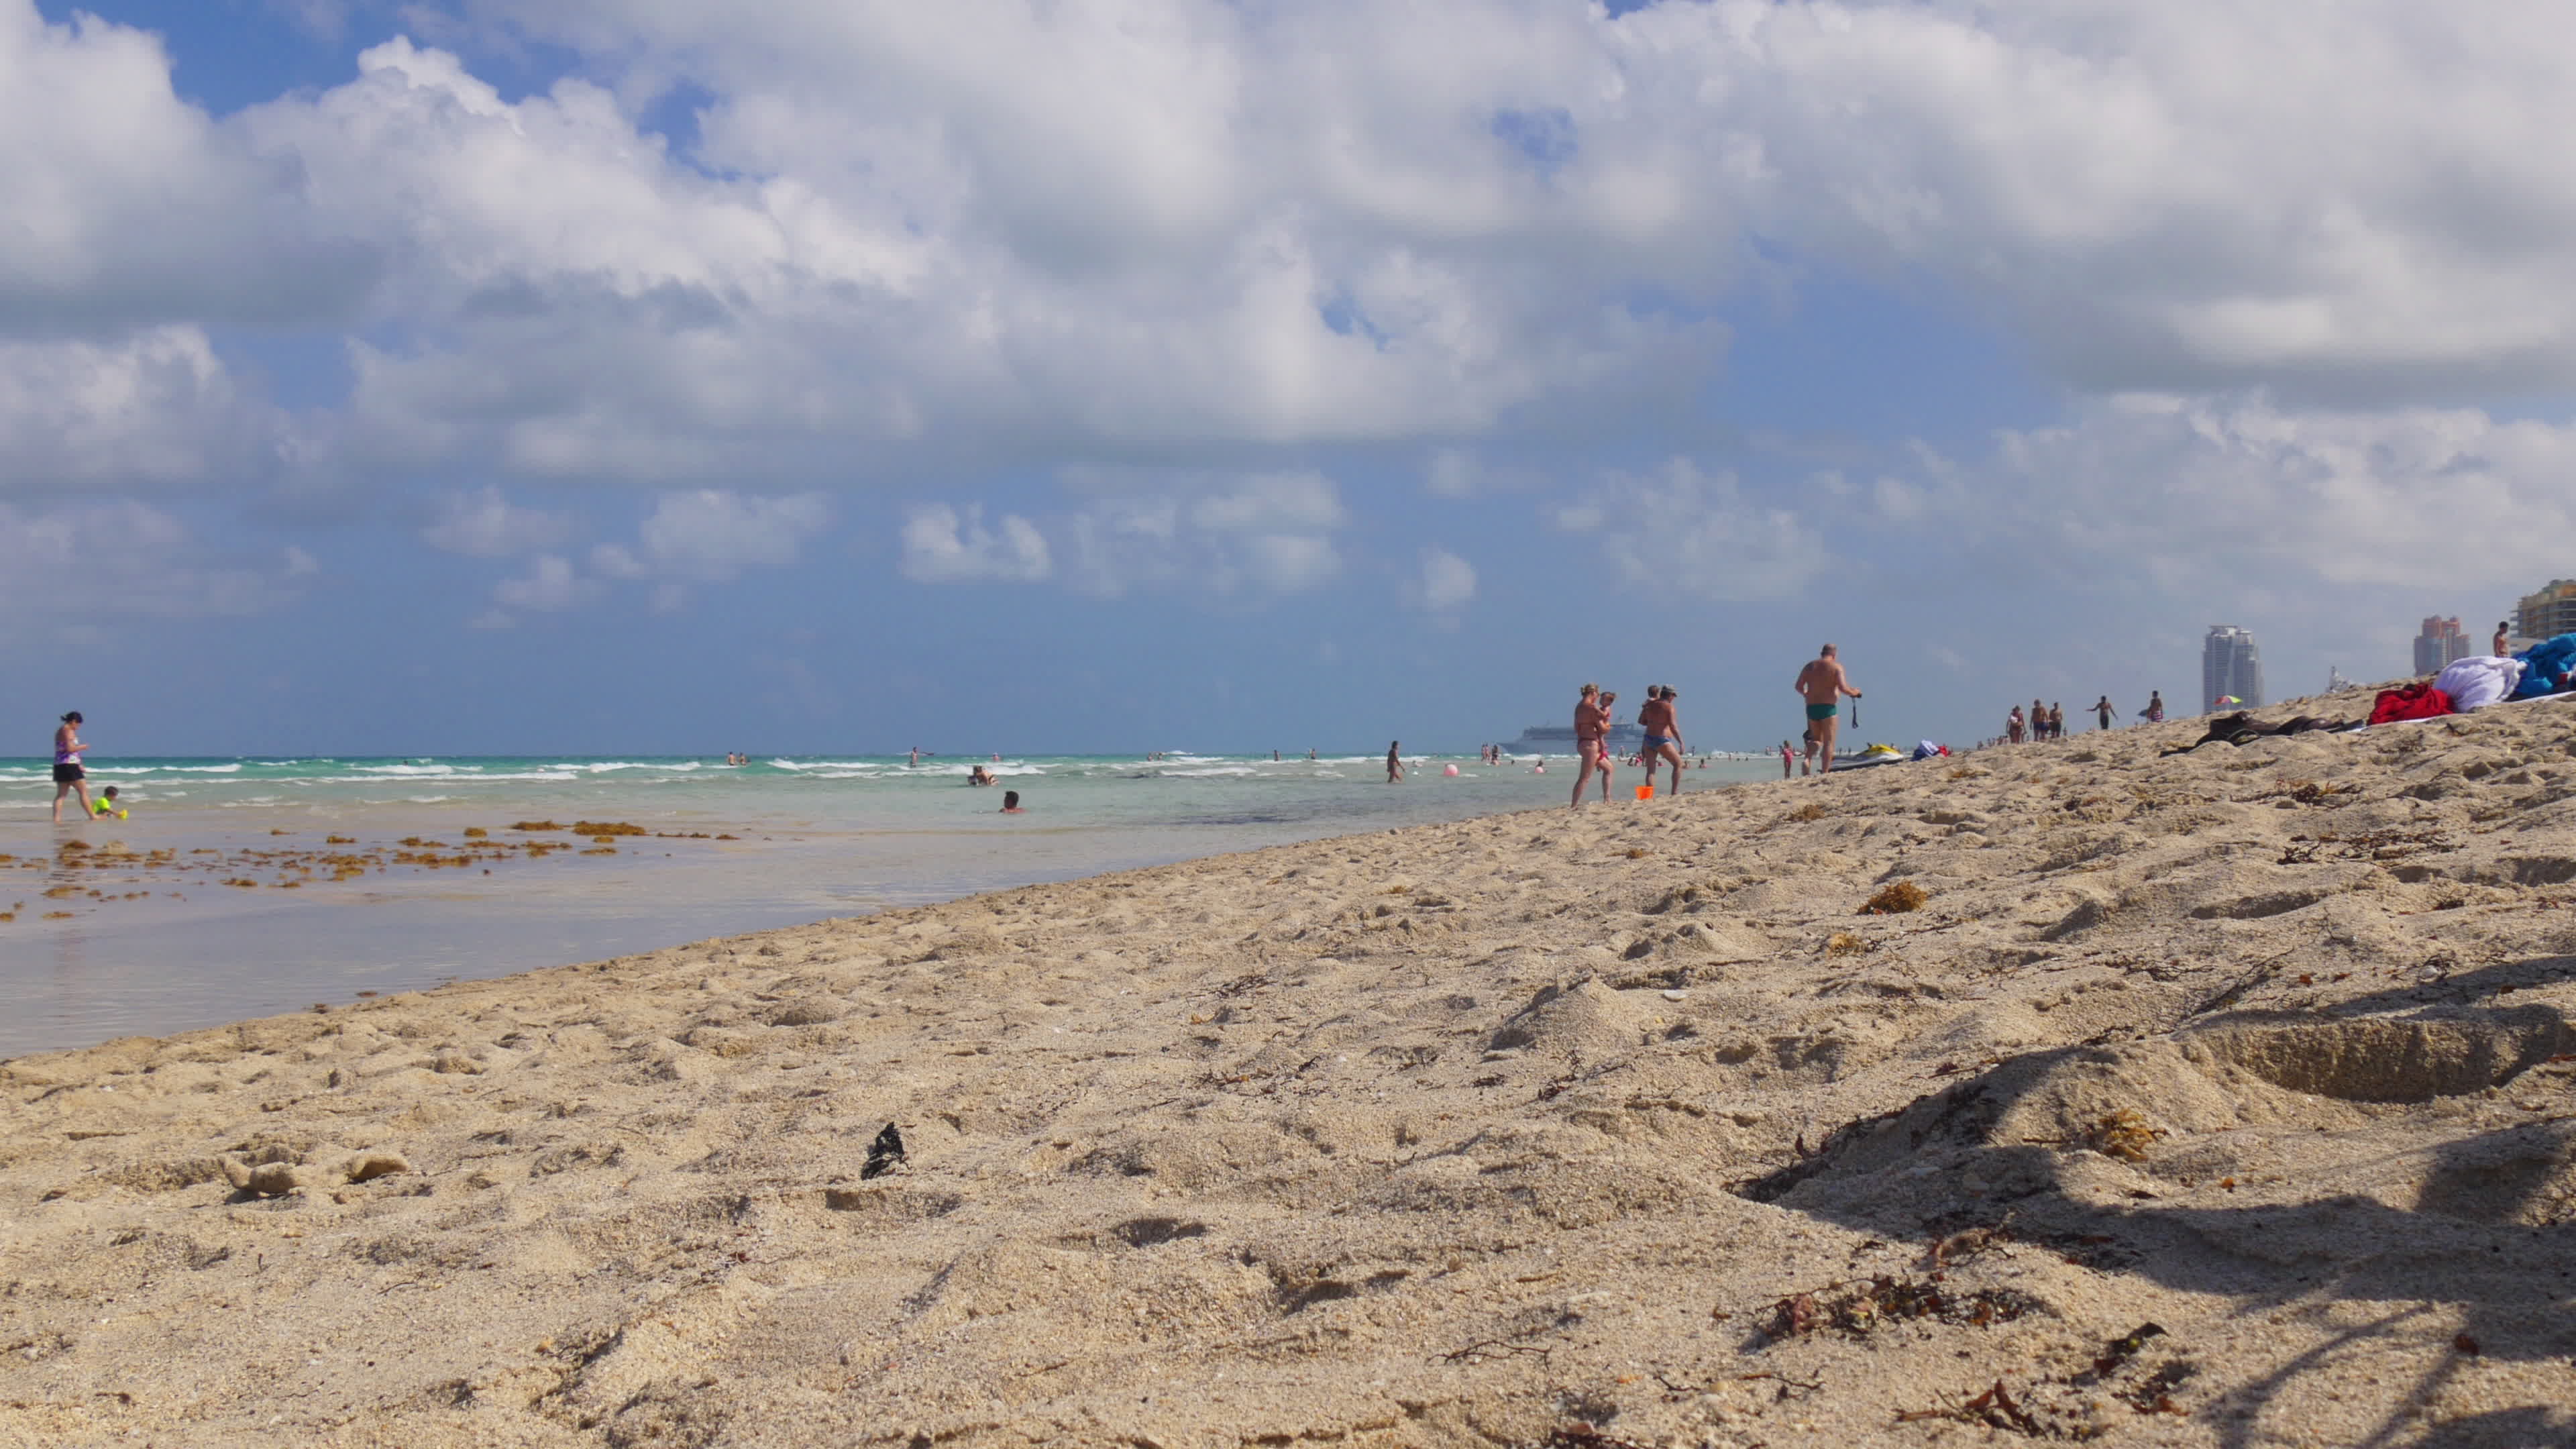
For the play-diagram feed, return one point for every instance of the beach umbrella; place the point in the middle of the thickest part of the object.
(2224, 699)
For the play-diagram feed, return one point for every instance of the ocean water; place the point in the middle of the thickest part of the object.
(244, 887)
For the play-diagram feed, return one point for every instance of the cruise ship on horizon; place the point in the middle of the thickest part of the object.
(1559, 739)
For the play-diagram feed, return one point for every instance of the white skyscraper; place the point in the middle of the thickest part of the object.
(2230, 665)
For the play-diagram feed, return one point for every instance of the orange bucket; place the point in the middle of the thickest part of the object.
(1645, 792)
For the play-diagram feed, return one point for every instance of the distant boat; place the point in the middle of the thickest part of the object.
(1559, 739)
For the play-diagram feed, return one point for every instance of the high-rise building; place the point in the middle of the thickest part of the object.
(2230, 667)
(2439, 644)
(2549, 613)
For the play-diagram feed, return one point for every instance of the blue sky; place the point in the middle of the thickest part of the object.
(619, 375)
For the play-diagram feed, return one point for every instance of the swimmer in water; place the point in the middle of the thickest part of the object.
(1011, 803)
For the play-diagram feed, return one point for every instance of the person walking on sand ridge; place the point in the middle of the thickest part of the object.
(1822, 685)
(2103, 709)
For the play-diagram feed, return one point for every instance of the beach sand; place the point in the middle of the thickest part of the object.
(1620, 1126)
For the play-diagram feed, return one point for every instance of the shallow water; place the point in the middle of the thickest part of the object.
(225, 894)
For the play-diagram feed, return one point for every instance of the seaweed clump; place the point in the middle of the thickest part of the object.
(1856, 1309)
(1895, 899)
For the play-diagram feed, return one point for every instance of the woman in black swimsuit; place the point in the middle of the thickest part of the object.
(68, 774)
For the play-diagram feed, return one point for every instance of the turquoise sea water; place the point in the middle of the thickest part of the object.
(248, 886)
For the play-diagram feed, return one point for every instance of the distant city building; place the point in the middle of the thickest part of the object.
(2440, 643)
(2231, 667)
(2549, 613)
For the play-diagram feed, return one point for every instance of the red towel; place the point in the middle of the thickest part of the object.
(2419, 700)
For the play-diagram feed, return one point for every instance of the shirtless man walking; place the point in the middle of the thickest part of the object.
(1822, 685)
(1663, 727)
(1591, 744)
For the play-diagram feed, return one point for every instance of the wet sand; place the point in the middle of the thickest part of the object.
(2215, 1100)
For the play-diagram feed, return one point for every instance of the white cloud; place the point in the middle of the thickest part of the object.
(551, 584)
(1262, 532)
(951, 240)
(130, 208)
(1447, 582)
(156, 411)
(712, 535)
(948, 228)
(705, 536)
(1679, 528)
(2200, 495)
(1453, 474)
(483, 524)
(940, 546)
(617, 561)
(90, 563)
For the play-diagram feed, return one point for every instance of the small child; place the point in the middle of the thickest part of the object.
(105, 805)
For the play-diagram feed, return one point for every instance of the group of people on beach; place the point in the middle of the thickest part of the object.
(1821, 684)
(1658, 719)
(2048, 721)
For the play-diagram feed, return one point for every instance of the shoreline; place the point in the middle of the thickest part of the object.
(329, 896)
(1459, 1133)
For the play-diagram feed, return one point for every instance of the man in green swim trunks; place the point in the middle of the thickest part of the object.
(1822, 685)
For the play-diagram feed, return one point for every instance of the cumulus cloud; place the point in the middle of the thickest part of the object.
(151, 412)
(550, 584)
(711, 535)
(90, 563)
(1027, 227)
(989, 238)
(1260, 533)
(941, 546)
(704, 536)
(1681, 528)
(483, 524)
(2201, 492)
(131, 208)
(1446, 582)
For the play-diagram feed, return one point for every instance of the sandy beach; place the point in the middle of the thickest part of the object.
(2221, 1099)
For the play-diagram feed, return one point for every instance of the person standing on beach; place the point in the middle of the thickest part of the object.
(69, 775)
(2013, 725)
(1788, 757)
(1394, 762)
(2503, 639)
(2104, 709)
(2154, 713)
(2057, 721)
(1663, 729)
(2038, 721)
(1822, 685)
(1591, 745)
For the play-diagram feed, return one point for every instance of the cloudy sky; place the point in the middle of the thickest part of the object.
(607, 375)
